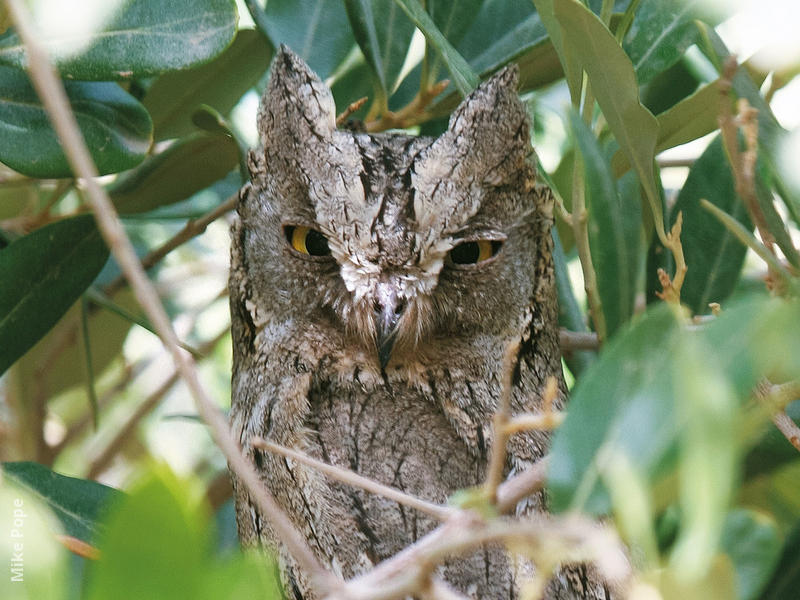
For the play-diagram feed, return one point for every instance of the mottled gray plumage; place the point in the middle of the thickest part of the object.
(307, 369)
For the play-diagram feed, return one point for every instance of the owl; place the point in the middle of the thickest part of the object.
(376, 283)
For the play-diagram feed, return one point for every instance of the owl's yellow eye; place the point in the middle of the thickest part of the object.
(470, 253)
(306, 240)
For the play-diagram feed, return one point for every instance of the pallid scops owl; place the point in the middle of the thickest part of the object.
(376, 281)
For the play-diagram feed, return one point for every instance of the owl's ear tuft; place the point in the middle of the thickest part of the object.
(296, 103)
(490, 127)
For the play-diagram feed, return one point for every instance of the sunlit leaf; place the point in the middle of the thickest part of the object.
(691, 118)
(50, 268)
(139, 38)
(162, 529)
(117, 129)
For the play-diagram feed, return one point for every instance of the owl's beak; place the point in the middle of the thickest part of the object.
(388, 310)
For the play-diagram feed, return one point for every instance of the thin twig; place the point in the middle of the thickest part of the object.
(497, 460)
(351, 108)
(535, 421)
(775, 398)
(577, 340)
(514, 489)
(404, 573)
(353, 479)
(411, 114)
(51, 92)
(671, 288)
(192, 229)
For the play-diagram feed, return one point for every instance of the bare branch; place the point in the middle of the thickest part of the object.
(192, 229)
(497, 461)
(530, 481)
(577, 340)
(442, 513)
(351, 108)
(51, 92)
(408, 571)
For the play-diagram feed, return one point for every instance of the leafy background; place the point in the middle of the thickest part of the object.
(664, 431)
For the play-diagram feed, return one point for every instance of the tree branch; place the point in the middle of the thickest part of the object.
(51, 92)
(441, 513)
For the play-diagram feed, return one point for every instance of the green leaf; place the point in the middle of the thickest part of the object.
(317, 30)
(772, 450)
(383, 33)
(691, 118)
(623, 404)
(786, 580)
(189, 165)
(78, 503)
(173, 97)
(565, 49)
(614, 85)
(751, 540)
(158, 544)
(614, 225)
(707, 404)
(116, 127)
(453, 18)
(660, 34)
(569, 313)
(145, 37)
(714, 256)
(50, 268)
(464, 78)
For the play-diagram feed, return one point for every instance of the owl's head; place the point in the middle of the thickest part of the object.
(389, 241)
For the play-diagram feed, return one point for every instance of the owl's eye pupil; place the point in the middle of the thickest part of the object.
(306, 240)
(470, 253)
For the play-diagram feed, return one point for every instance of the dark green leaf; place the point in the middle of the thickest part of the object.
(714, 256)
(144, 38)
(50, 268)
(659, 35)
(78, 503)
(786, 580)
(453, 18)
(317, 30)
(383, 32)
(187, 166)
(613, 82)
(614, 228)
(116, 127)
(173, 97)
(462, 75)
(772, 450)
(751, 540)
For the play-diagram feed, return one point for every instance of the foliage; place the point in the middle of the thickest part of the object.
(668, 430)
